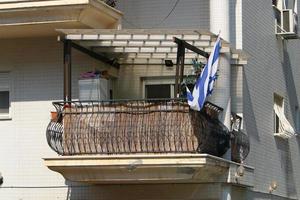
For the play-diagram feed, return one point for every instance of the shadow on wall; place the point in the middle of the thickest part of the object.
(249, 117)
(293, 103)
(143, 191)
(289, 81)
(285, 156)
(290, 85)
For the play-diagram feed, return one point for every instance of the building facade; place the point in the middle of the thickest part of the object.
(31, 76)
(272, 68)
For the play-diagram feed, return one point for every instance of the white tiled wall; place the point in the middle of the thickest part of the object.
(273, 67)
(36, 67)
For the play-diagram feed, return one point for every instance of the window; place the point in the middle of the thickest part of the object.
(278, 107)
(158, 91)
(158, 87)
(4, 94)
(4, 102)
(282, 126)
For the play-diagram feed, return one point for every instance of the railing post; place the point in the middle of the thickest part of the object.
(182, 57)
(182, 45)
(67, 71)
(179, 65)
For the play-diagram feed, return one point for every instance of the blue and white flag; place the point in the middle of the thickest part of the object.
(205, 82)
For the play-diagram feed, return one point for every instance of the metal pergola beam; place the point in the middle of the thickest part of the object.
(67, 54)
(181, 46)
(95, 55)
(67, 71)
(190, 47)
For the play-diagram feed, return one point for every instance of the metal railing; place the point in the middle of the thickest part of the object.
(135, 126)
(112, 3)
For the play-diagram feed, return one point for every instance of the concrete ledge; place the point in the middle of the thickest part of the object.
(137, 169)
(43, 17)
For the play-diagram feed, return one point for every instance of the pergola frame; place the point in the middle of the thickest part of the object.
(68, 45)
(142, 47)
(182, 45)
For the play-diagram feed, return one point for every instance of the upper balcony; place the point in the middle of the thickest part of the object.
(32, 18)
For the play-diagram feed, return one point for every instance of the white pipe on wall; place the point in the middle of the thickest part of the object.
(219, 18)
(219, 21)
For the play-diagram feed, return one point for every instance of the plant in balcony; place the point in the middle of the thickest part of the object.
(193, 75)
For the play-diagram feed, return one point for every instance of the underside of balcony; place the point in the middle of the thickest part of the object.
(150, 168)
(34, 18)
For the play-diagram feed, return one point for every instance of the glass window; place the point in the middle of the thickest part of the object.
(158, 91)
(4, 102)
(4, 94)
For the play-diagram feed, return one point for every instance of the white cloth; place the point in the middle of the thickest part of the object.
(285, 128)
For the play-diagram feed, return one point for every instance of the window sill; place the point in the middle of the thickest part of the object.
(5, 117)
(284, 135)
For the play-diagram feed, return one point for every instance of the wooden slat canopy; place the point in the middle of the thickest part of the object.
(148, 46)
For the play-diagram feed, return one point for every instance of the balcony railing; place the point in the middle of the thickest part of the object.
(112, 3)
(136, 126)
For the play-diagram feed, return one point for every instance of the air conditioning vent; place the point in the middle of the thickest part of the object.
(286, 23)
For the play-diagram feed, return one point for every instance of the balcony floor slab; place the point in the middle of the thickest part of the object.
(149, 168)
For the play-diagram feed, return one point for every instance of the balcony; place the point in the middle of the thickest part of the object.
(136, 126)
(39, 18)
(148, 140)
(139, 141)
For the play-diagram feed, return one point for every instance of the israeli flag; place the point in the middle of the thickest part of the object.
(205, 82)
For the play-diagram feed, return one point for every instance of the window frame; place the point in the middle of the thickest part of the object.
(6, 116)
(276, 120)
(159, 81)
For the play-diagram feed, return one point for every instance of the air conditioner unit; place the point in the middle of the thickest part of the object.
(286, 24)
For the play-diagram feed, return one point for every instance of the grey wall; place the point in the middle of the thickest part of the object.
(273, 67)
(150, 14)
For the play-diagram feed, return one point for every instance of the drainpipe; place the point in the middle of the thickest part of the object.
(219, 21)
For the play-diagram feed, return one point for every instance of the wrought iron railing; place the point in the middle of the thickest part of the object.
(240, 143)
(136, 126)
(112, 3)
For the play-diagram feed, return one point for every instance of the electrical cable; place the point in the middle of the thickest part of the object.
(130, 23)
(158, 24)
(167, 16)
